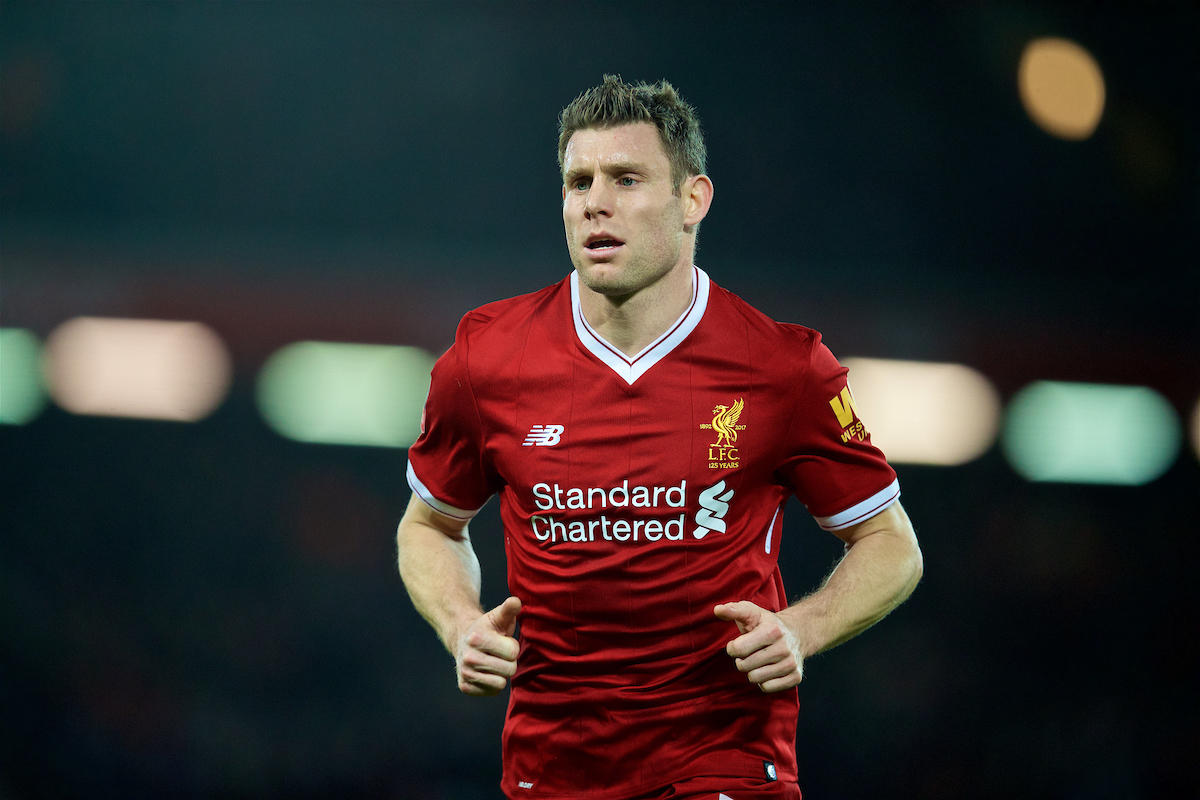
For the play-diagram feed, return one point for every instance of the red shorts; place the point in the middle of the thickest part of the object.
(726, 789)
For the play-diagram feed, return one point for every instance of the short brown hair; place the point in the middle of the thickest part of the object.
(615, 102)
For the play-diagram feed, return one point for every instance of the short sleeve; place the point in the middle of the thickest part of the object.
(832, 466)
(446, 465)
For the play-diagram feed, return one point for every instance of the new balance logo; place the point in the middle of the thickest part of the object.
(544, 435)
(713, 507)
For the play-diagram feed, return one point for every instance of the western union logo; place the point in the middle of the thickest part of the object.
(846, 411)
(843, 406)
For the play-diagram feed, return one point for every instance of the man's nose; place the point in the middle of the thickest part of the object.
(599, 200)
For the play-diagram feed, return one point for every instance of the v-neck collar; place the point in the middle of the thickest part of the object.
(631, 368)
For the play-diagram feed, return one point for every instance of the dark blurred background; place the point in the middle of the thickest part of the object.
(212, 610)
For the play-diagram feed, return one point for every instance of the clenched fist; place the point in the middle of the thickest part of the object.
(767, 650)
(486, 655)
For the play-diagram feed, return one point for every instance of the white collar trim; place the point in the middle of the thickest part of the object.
(632, 368)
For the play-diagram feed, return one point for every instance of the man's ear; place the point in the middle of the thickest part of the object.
(697, 193)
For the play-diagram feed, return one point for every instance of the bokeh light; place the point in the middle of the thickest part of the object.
(22, 395)
(925, 413)
(146, 369)
(1090, 433)
(1062, 87)
(334, 393)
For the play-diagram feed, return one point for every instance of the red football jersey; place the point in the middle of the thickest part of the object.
(636, 494)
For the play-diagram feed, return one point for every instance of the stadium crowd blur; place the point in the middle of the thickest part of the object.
(211, 609)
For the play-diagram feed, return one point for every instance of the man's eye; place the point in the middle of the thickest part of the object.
(581, 186)
(627, 181)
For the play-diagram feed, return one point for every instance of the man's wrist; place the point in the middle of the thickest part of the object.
(799, 620)
(456, 628)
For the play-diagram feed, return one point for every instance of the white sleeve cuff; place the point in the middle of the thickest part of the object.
(422, 491)
(855, 513)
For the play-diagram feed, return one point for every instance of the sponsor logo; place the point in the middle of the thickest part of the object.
(611, 514)
(723, 453)
(846, 412)
(713, 507)
(610, 525)
(525, 784)
(544, 435)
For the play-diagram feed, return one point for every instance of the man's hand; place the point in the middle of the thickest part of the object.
(487, 652)
(767, 650)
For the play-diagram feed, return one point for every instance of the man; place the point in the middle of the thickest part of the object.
(644, 429)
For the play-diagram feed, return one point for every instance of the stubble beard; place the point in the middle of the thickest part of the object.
(638, 272)
(622, 281)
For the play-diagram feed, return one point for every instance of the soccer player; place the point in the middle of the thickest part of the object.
(644, 429)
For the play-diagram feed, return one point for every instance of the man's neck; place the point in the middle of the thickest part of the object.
(631, 322)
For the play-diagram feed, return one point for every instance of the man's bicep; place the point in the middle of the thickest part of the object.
(421, 513)
(893, 521)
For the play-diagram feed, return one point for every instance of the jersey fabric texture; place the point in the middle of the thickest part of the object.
(637, 494)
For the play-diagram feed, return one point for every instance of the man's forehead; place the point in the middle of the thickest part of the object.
(633, 142)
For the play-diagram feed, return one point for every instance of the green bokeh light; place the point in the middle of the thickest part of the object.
(355, 394)
(1090, 433)
(22, 394)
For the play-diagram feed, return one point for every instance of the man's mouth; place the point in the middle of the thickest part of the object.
(602, 243)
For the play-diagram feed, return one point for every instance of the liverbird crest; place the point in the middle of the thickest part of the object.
(724, 421)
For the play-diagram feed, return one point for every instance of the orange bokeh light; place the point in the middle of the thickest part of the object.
(1062, 88)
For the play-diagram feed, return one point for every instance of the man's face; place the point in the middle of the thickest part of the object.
(625, 226)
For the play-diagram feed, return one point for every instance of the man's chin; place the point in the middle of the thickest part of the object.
(604, 279)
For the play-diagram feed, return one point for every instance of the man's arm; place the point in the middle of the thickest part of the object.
(880, 569)
(441, 572)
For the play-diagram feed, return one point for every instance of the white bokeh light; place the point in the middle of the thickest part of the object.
(925, 413)
(145, 369)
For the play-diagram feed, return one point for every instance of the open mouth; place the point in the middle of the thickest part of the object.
(602, 243)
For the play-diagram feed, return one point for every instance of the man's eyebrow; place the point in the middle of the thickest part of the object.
(615, 168)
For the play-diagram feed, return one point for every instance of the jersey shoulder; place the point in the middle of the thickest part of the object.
(764, 334)
(495, 337)
(511, 312)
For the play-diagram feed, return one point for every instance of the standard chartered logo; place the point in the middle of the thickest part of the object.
(553, 528)
(713, 507)
(596, 513)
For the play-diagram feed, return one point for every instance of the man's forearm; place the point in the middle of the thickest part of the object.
(441, 573)
(879, 571)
